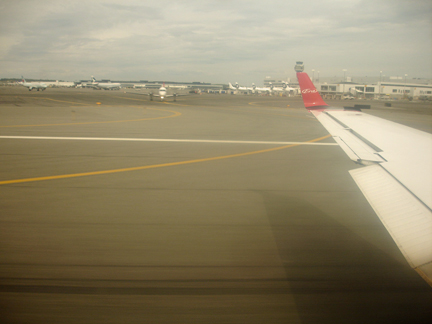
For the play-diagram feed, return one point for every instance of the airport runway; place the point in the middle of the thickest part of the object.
(211, 209)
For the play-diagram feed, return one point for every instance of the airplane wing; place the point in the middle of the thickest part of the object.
(397, 177)
(158, 95)
(178, 95)
(155, 95)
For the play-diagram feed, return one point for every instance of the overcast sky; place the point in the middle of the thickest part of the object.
(215, 41)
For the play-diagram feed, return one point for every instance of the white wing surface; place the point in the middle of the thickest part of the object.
(397, 179)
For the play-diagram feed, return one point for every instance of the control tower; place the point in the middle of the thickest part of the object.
(299, 67)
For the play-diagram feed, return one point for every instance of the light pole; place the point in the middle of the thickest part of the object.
(344, 71)
(380, 86)
(318, 78)
(404, 86)
(313, 75)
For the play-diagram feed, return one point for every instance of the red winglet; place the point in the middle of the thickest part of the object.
(311, 97)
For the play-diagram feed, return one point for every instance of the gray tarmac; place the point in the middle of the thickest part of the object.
(132, 231)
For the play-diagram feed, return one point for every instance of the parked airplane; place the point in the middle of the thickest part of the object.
(397, 177)
(253, 89)
(284, 88)
(105, 86)
(271, 89)
(33, 85)
(257, 89)
(237, 87)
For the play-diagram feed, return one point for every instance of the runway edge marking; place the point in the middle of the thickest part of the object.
(160, 140)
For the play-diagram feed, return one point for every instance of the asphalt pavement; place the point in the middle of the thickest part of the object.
(210, 209)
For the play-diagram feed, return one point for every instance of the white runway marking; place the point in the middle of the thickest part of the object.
(159, 140)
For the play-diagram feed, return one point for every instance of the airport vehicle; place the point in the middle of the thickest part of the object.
(105, 86)
(348, 97)
(33, 85)
(397, 175)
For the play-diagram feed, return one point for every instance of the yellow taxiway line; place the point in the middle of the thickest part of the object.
(72, 102)
(145, 167)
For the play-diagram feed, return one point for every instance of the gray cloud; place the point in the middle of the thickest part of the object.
(214, 41)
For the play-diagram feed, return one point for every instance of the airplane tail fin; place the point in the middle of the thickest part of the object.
(311, 97)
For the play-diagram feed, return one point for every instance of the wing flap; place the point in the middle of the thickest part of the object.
(408, 221)
(355, 147)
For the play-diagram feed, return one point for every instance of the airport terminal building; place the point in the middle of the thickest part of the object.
(275, 82)
(380, 90)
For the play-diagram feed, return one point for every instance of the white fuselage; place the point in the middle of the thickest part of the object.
(34, 85)
(162, 93)
(257, 89)
(108, 86)
(237, 87)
